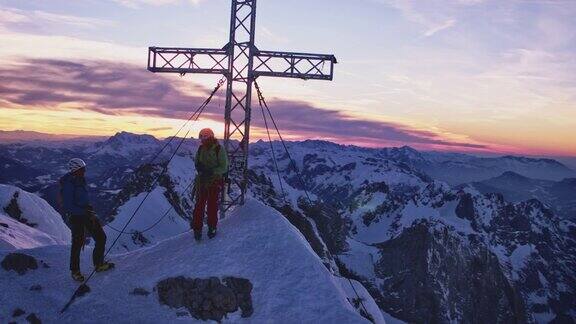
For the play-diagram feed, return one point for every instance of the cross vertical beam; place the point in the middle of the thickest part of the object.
(238, 100)
(241, 62)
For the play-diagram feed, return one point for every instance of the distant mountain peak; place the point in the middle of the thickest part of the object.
(524, 159)
(404, 153)
(320, 143)
(133, 137)
(126, 144)
(511, 175)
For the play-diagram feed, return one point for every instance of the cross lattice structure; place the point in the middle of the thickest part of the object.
(241, 62)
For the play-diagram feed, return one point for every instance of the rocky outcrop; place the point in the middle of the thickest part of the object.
(18, 312)
(13, 210)
(428, 274)
(19, 263)
(139, 292)
(33, 319)
(141, 180)
(207, 299)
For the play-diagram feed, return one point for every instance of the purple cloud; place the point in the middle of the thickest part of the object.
(120, 89)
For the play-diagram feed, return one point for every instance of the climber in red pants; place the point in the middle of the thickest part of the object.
(211, 164)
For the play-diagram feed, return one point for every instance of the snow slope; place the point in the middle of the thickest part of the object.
(38, 224)
(290, 283)
(157, 219)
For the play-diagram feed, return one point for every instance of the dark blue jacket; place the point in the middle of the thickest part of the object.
(74, 193)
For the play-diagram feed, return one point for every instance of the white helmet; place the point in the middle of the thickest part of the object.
(76, 164)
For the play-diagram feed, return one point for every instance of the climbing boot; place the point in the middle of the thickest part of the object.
(77, 276)
(105, 267)
(211, 232)
(198, 235)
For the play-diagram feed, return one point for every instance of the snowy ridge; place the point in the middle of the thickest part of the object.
(29, 221)
(290, 283)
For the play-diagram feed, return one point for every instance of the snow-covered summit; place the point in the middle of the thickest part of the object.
(403, 154)
(290, 283)
(126, 144)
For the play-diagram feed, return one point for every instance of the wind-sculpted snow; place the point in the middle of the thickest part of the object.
(27, 221)
(290, 283)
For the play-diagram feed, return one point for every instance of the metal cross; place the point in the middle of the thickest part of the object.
(241, 63)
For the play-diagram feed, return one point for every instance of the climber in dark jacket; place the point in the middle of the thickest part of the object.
(211, 164)
(76, 206)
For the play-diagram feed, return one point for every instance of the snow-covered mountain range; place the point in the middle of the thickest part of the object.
(558, 195)
(426, 251)
(406, 225)
(456, 168)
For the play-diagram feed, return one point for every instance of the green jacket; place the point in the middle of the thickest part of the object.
(211, 163)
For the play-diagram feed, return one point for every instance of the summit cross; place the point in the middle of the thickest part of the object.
(241, 62)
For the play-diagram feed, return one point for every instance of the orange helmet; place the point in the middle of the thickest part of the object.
(206, 133)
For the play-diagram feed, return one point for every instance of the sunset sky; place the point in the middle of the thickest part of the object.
(452, 75)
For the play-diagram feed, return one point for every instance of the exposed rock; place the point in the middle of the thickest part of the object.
(4, 225)
(18, 312)
(139, 239)
(207, 299)
(243, 290)
(32, 318)
(563, 319)
(140, 292)
(13, 210)
(423, 280)
(19, 262)
(36, 288)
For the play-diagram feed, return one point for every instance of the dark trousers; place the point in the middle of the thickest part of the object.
(207, 195)
(80, 224)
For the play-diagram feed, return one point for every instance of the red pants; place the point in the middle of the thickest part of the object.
(207, 195)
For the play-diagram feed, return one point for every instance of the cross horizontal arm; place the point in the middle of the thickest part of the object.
(294, 65)
(187, 60)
